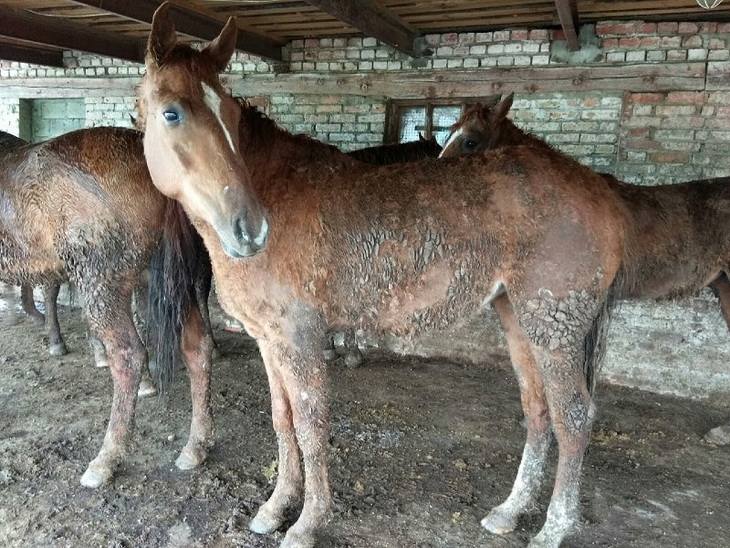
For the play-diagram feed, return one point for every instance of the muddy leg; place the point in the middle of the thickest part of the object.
(139, 315)
(720, 435)
(111, 321)
(196, 351)
(288, 490)
(305, 377)
(99, 352)
(503, 518)
(203, 283)
(56, 346)
(28, 302)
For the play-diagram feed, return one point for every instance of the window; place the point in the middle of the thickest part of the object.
(408, 119)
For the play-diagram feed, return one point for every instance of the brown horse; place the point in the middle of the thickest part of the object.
(68, 212)
(56, 346)
(398, 153)
(304, 238)
(679, 232)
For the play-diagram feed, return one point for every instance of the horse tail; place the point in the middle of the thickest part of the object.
(594, 345)
(179, 260)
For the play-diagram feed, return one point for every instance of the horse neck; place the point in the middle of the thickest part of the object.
(269, 149)
(511, 135)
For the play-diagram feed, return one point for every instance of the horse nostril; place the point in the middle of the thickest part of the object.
(239, 229)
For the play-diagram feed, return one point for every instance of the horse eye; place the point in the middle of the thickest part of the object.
(172, 116)
(470, 144)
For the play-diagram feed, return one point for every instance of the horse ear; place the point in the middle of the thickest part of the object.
(221, 49)
(162, 36)
(421, 137)
(502, 108)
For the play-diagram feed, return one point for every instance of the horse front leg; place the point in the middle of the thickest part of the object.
(56, 346)
(305, 380)
(503, 518)
(110, 320)
(720, 435)
(289, 485)
(196, 349)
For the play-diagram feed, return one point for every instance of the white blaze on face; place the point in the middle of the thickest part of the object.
(453, 138)
(213, 100)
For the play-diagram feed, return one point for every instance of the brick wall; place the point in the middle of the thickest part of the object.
(670, 135)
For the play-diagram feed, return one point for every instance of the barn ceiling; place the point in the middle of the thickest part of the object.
(118, 27)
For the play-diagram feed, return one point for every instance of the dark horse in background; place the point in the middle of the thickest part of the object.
(304, 238)
(396, 153)
(82, 208)
(680, 232)
(56, 346)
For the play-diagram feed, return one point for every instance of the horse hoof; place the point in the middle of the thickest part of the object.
(719, 435)
(190, 458)
(264, 523)
(298, 540)
(95, 477)
(146, 388)
(499, 522)
(58, 349)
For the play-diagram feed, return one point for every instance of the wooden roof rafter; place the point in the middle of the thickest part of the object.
(23, 53)
(190, 22)
(568, 15)
(372, 20)
(37, 29)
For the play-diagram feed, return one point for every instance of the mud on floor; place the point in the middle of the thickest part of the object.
(421, 450)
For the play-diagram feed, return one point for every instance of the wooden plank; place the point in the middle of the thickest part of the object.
(34, 56)
(444, 84)
(412, 84)
(372, 20)
(59, 33)
(188, 22)
(568, 15)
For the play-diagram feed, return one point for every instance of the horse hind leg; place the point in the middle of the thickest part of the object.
(289, 481)
(110, 320)
(28, 303)
(196, 349)
(503, 518)
(720, 435)
(56, 345)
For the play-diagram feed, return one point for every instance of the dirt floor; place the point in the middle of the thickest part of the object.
(420, 451)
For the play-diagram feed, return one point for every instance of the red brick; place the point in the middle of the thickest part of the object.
(610, 43)
(646, 98)
(671, 41)
(694, 41)
(590, 102)
(669, 157)
(717, 43)
(667, 28)
(650, 41)
(639, 132)
(708, 27)
(683, 122)
(631, 42)
(641, 144)
(450, 38)
(538, 34)
(519, 35)
(646, 28)
(686, 97)
(612, 27)
(688, 28)
(311, 43)
(723, 112)
(723, 27)
(558, 34)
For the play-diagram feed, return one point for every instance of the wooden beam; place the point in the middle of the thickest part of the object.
(372, 20)
(568, 15)
(34, 56)
(412, 85)
(37, 29)
(187, 21)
